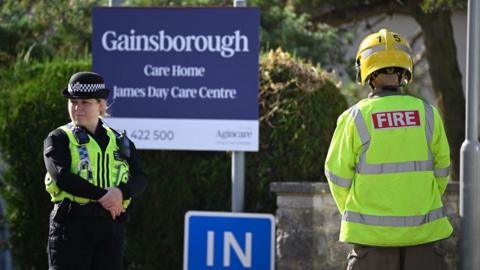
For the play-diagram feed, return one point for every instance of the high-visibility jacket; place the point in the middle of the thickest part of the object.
(387, 168)
(103, 169)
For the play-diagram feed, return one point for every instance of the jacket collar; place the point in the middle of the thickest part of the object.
(386, 91)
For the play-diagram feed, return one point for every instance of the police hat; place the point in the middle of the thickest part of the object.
(86, 85)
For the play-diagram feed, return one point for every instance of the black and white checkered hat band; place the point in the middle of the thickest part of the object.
(85, 88)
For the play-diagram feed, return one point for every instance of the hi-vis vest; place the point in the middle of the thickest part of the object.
(102, 169)
(387, 168)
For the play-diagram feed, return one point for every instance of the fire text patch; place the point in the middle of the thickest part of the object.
(397, 119)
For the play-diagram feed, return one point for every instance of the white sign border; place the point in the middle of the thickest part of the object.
(189, 134)
(226, 215)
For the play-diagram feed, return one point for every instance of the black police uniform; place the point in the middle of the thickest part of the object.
(86, 236)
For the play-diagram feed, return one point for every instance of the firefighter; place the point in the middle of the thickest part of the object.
(388, 166)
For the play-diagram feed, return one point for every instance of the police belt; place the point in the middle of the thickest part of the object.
(93, 209)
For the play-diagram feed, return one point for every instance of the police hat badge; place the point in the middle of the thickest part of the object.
(86, 85)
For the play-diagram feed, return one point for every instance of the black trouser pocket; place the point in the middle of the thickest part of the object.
(56, 242)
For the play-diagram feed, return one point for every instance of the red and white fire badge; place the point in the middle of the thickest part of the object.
(397, 119)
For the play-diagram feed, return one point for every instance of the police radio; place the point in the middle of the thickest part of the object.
(81, 135)
(123, 145)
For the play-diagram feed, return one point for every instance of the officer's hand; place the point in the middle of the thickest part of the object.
(112, 201)
(116, 211)
(112, 198)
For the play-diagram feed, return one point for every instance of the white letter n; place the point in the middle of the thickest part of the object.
(244, 257)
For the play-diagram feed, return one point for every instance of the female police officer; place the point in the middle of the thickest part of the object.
(92, 174)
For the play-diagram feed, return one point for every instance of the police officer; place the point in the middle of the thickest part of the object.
(388, 166)
(93, 172)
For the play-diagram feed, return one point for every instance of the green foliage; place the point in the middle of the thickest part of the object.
(299, 105)
(178, 181)
(434, 5)
(177, 3)
(30, 106)
(320, 43)
(54, 28)
(46, 28)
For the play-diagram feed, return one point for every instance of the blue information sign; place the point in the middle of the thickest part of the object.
(221, 240)
(181, 78)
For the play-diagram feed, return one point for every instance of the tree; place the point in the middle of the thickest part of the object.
(433, 16)
(52, 28)
(44, 29)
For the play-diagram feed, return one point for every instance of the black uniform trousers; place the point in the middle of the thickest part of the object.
(84, 238)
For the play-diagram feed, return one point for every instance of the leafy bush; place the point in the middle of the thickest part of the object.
(30, 106)
(298, 109)
(299, 105)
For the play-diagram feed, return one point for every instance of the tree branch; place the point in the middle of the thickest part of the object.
(336, 16)
(370, 26)
(416, 37)
(419, 56)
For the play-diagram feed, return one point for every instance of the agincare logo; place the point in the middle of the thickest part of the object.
(225, 45)
(231, 134)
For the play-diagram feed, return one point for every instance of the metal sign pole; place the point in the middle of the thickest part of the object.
(114, 3)
(238, 161)
(238, 181)
(470, 150)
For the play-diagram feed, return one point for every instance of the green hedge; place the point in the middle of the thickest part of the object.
(30, 106)
(298, 108)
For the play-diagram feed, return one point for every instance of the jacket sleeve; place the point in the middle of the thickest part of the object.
(137, 182)
(340, 161)
(441, 153)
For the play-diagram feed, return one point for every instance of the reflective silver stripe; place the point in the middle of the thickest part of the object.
(443, 172)
(372, 50)
(362, 129)
(410, 166)
(429, 118)
(402, 47)
(429, 122)
(84, 162)
(360, 124)
(339, 181)
(393, 221)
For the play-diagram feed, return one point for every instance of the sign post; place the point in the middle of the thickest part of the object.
(238, 162)
(470, 150)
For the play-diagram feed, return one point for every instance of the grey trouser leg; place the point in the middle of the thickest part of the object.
(373, 258)
(421, 257)
(424, 257)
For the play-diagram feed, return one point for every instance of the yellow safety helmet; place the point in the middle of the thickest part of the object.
(381, 50)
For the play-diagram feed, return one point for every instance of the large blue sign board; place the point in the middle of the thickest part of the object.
(221, 240)
(181, 78)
